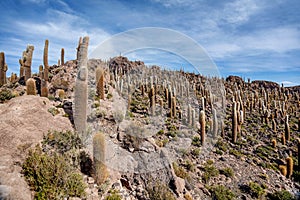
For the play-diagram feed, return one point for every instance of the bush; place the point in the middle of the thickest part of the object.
(159, 191)
(6, 95)
(281, 195)
(51, 176)
(179, 171)
(228, 172)
(220, 192)
(209, 172)
(256, 190)
(114, 195)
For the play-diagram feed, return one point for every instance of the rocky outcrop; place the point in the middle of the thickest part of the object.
(23, 122)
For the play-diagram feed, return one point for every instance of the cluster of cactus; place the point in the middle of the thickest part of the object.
(3, 69)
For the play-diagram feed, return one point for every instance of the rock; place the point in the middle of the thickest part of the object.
(177, 185)
(23, 122)
(90, 180)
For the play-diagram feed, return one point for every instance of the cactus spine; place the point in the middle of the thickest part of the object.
(100, 169)
(62, 56)
(202, 126)
(81, 91)
(289, 166)
(30, 87)
(234, 122)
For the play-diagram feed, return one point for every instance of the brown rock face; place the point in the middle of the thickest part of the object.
(23, 121)
(122, 64)
(235, 79)
(265, 84)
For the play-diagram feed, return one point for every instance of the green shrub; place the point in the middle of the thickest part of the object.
(281, 195)
(159, 191)
(6, 95)
(51, 176)
(61, 142)
(228, 172)
(209, 172)
(220, 192)
(256, 190)
(114, 195)
(196, 152)
(179, 171)
(196, 141)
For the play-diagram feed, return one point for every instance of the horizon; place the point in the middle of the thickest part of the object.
(249, 38)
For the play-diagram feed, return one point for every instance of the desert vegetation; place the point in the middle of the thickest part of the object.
(143, 132)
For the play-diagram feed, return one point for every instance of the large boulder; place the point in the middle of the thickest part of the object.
(23, 122)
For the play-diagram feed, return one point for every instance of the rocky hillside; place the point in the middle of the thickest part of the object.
(145, 133)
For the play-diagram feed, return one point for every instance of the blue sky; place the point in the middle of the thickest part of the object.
(259, 39)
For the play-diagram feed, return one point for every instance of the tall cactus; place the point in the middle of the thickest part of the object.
(100, 169)
(81, 91)
(44, 88)
(62, 56)
(2, 69)
(173, 107)
(289, 166)
(78, 47)
(234, 122)
(287, 128)
(215, 122)
(202, 126)
(21, 68)
(100, 82)
(45, 59)
(30, 87)
(27, 60)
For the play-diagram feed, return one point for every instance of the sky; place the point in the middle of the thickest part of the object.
(256, 39)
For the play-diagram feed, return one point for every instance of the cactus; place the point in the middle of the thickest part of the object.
(2, 69)
(283, 170)
(274, 126)
(215, 122)
(173, 107)
(81, 91)
(30, 87)
(289, 166)
(100, 82)
(100, 169)
(202, 126)
(274, 143)
(45, 60)
(234, 122)
(78, 48)
(21, 68)
(62, 56)
(44, 88)
(287, 128)
(129, 102)
(152, 100)
(27, 60)
(283, 140)
(61, 94)
(41, 72)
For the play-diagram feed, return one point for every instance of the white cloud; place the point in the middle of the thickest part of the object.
(239, 11)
